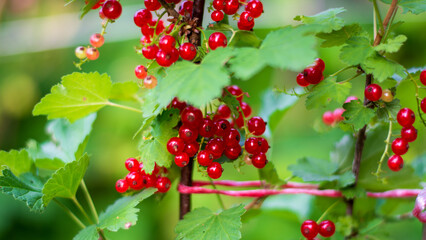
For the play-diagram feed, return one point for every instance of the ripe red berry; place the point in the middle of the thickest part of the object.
(164, 58)
(152, 5)
(132, 164)
(373, 92)
(215, 170)
(235, 91)
(121, 186)
(232, 138)
(255, 7)
(224, 112)
(186, 8)
(406, 117)
(216, 146)
(142, 17)
(112, 9)
(219, 4)
(423, 77)
(231, 7)
(218, 39)
(92, 53)
(239, 121)
(246, 109)
(253, 145)
(181, 159)
(141, 71)
(217, 16)
(326, 228)
(409, 134)
(395, 163)
(188, 51)
(163, 184)
(264, 145)
(187, 134)
(309, 229)
(150, 52)
(319, 64)
(328, 118)
(175, 103)
(259, 160)
(233, 152)
(423, 105)
(337, 114)
(167, 43)
(399, 146)
(134, 179)
(249, 27)
(246, 18)
(97, 40)
(192, 117)
(192, 148)
(313, 75)
(205, 158)
(207, 128)
(300, 79)
(222, 127)
(149, 180)
(175, 145)
(256, 125)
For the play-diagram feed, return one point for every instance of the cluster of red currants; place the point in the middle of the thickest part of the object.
(423, 81)
(253, 9)
(137, 179)
(310, 229)
(313, 74)
(374, 93)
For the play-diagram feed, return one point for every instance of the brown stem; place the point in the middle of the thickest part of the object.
(197, 16)
(391, 10)
(170, 10)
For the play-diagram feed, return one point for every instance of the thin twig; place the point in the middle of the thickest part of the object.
(89, 200)
(170, 10)
(69, 213)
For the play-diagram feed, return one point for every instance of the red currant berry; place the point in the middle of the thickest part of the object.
(152, 5)
(236, 91)
(156, 171)
(97, 40)
(186, 8)
(175, 145)
(216, 146)
(243, 27)
(207, 128)
(351, 98)
(300, 79)
(164, 58)
(256, 125)
(217, 16)
(92, 53)
(121, 186)
(141, 71)
(150, 52)
(97, 5)
(170, 28)
(205, 158)
(264, 145)
(409, 134)
(222, 127)
(187, 134)
(142, 17)
(163, 184)
(231, 7)
(255, 7)
(337, 114)
(423, 105)
(313, 75)
(224, 112)
(259, 160)
(309, 229)
(406, 117)
(182, 159)
(188, 51)
(215, 170)
(177, 104)
(167, 43)
(149, 180)
(192, 148)
(219, 4)
(399, 146)
(218, 39)
(253, 146)
(373, 92)
(319, 64)
(160, 26)
(192, 117)
(395, 163)
(232, 138)
(423, 77)
(246, 109)
(134, 179)
(145, 40)
(328, 118)
(239, 121)
(233, 152)
(326, 228)
(112, 9)
(150, 82)
(101, 14)
(246, 19)
(132, 164)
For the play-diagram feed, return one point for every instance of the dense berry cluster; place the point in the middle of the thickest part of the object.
(253, 9)
(310, 229)
(209, 138)
(313, 74)
(137, 179)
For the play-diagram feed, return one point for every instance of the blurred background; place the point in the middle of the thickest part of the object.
(37, 42)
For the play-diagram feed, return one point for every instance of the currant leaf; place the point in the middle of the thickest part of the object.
(203, 224)
(388, 107)
(327, 91)
(392, 45)
(125, 91)
(357, 114)
(342, 153)
(88, 233)
(327, 21)
(339, 37)
(356, 51)
(18, 162)
(313, 169)
(414, 6)
(270, 175)
(245, 39)
(247, 63)
(382, 68)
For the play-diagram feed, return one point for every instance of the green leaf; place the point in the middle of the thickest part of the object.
(343, 153)
(78, 95)
(313, 169)
(414, 6)
(382, 68)
(203, 224)
(357, 114)
(65, 181)
(391, 107)
(27, 188)
(18, 162)
(153, 147)
(87, 7)
(327, 91)
(88, 233)
(357, 50)
(392, 45)
(339, 37)
(232, 103)
(269, 174)
(247, 62)
(125, 91)
(326, 19)
(245, 39)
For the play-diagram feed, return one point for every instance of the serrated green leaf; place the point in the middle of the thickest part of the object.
(343, 154)
(388, 107)
(327, 91)
(388, 83)
(203, 224)
(345, 179)
(382, 68)
(357, 114)
(18, 162)
(65, 181)
(339, 37)
(356, 51)
(327, 20)
(392, 45)
(46, 155)
(245, 39)
(270, 175)
(88, 233)
(313, 169)
(247, 62)
(414, 6)
(351, 193)
(78, 95)
(124, 91)
(153, 147)
(27, 188)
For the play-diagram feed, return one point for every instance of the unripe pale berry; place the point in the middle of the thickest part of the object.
(150, 82)
(80, 52)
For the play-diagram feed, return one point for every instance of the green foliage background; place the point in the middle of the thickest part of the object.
(25, 78)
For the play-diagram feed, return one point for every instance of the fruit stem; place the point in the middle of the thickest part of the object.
(349, 79)
(219, 198)
(68, 211)
(89, 200)
(385, 153)
(75, 201)
(327, 211)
